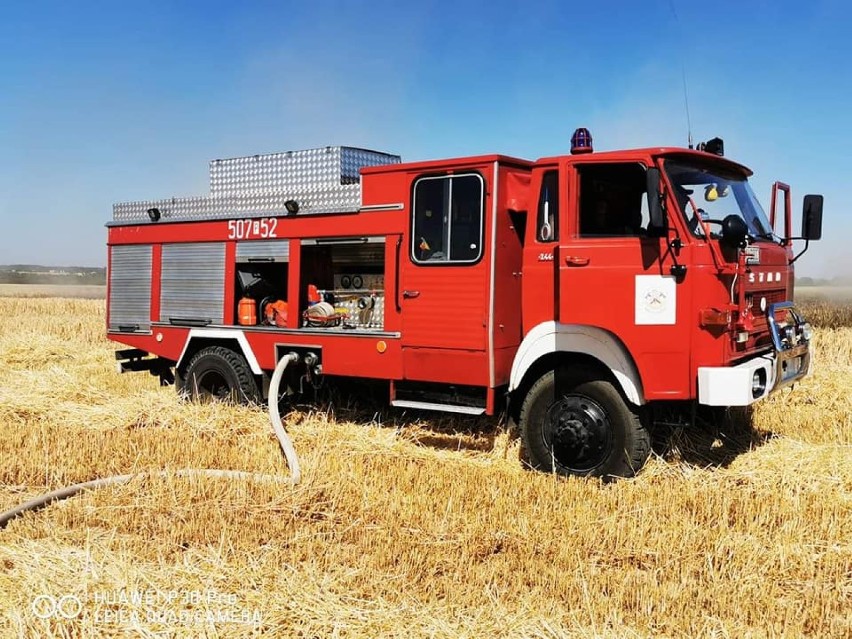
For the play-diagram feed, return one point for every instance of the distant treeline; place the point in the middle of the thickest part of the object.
(817, 281)
(34, 274)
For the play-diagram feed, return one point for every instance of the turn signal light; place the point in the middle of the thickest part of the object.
(714, 317)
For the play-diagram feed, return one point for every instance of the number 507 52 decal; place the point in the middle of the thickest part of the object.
(252, 229)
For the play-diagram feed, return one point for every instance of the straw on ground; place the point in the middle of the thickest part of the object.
(404, 525)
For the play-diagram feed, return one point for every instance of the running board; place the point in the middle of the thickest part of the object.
(447, 408)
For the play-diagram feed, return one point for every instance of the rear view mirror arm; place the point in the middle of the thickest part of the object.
(804, 250)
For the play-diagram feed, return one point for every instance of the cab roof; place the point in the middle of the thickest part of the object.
(601, 156)
(667, 151)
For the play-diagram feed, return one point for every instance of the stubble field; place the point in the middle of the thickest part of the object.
(75, 291)
(405, 525)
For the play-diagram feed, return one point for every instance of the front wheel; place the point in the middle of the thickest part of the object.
(582, 427)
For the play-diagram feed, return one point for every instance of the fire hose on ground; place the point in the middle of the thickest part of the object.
(277, 426)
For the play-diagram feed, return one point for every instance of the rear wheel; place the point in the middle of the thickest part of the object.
(217, 373)
(575, 426)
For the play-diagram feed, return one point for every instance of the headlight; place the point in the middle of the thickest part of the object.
(790, 335)
(807, 332)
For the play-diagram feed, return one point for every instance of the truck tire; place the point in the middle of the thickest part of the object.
(582, 427)
(216, 373)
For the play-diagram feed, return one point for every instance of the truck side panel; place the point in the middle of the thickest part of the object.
(193, 282)
(130, 286)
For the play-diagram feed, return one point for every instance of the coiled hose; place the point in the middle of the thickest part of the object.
(283, 439)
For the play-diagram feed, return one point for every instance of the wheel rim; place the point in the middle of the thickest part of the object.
(212, 385)
(578, 433)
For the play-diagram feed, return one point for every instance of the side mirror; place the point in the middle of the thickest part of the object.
(734, 231)
(812, 217)
(658, 224)
(811, 221)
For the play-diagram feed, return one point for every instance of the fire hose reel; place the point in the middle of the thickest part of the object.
(366, 305)
(321, 314)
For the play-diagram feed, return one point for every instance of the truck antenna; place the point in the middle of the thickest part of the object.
(683, 75)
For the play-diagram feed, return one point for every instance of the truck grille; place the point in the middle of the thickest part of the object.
(772, 297)
(760, 336)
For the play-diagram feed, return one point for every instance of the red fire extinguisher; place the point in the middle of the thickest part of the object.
(247, 312)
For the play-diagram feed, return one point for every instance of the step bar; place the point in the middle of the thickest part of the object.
(446, 408)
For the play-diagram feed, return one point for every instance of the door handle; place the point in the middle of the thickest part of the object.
(410, 294)
(576, 260)
(396, 276)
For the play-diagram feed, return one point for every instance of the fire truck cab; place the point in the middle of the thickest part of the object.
(584, 288)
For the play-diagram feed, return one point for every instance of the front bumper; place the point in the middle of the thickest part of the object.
(759, 376)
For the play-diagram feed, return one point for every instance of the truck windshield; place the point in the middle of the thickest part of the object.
(712, 193)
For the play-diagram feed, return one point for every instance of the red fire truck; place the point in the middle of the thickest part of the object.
(586, 288)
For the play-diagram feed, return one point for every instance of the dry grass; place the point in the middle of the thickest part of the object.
(406, 527)
(826, 306)
(825, 314)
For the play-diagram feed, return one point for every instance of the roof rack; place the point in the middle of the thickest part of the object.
(322, 180)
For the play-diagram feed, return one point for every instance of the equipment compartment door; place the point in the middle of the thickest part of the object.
(443, 291)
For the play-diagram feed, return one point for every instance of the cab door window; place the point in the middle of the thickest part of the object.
(447, 219)
(612, 200)
(547, 221)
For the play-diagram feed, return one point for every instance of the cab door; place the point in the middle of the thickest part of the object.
(444, 280)
(614, 276)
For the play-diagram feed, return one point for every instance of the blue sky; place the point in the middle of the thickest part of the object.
(111, 101)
